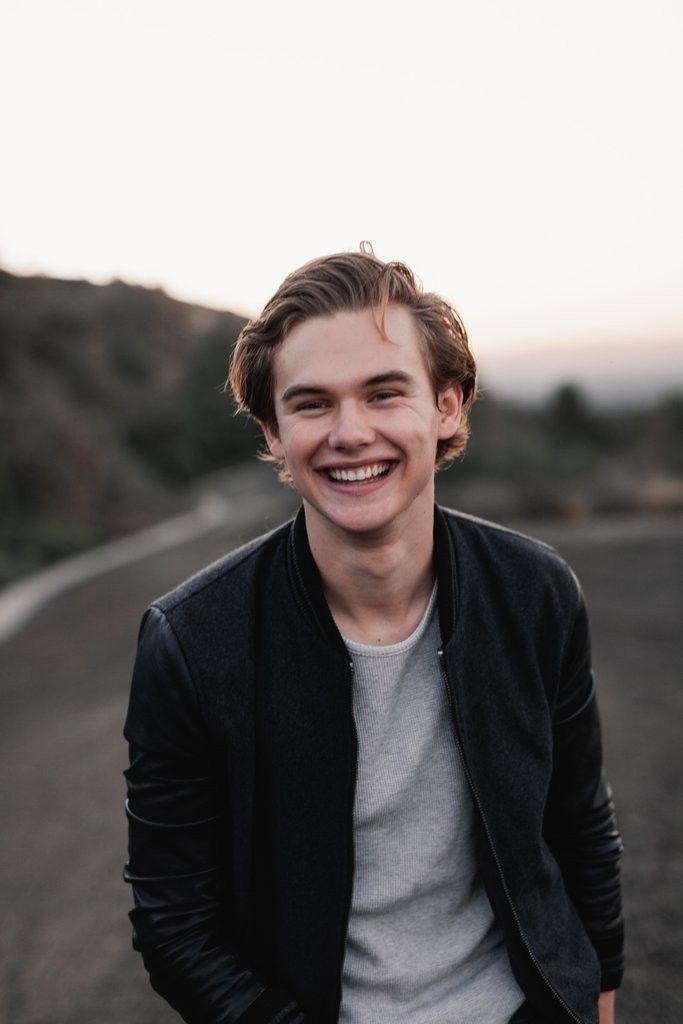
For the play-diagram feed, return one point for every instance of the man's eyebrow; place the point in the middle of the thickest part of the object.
(301, 389)
(390, 377)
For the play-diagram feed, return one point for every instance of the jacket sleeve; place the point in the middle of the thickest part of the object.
(580, 825)
(177, 853)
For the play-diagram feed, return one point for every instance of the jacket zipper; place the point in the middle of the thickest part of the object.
(480, 809)
(348, 896)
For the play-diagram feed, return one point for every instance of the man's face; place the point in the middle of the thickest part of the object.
(358, 422)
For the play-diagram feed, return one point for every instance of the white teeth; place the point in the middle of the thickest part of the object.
(362, 473)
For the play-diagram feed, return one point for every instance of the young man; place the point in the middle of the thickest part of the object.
(366, 780)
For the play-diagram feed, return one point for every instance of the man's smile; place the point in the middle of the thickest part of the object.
(356, 474)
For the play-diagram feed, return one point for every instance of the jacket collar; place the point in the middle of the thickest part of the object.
(308, 586)
(447, 576)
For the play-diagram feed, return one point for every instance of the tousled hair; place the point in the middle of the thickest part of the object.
(353, 281)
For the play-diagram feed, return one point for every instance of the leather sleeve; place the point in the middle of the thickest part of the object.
(181, 920)
(580, 825)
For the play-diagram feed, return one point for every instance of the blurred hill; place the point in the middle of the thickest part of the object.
(110, 402)
(111, 406)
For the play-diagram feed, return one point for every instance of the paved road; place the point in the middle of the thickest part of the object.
(65, 954)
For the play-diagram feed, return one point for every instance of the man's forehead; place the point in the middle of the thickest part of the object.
(348, 345)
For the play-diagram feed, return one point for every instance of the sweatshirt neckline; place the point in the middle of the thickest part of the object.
(387, 650)
(308, 589)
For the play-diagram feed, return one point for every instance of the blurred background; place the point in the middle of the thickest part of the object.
(164, 166)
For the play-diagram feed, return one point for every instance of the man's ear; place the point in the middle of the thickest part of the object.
(273, 440)
(449, 404)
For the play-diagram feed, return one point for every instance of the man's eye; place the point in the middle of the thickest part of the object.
(313, 405)
(383, 396)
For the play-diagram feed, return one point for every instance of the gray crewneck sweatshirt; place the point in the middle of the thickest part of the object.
(423, 946)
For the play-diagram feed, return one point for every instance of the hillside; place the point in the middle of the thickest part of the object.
(110, 402)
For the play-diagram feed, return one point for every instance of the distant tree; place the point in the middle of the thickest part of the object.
(570, 420)
(661, 435)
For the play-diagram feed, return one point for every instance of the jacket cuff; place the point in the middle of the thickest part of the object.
(610, 950)
(272, 1007)
(610, 980)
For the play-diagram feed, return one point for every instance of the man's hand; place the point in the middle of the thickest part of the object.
(606, 1007)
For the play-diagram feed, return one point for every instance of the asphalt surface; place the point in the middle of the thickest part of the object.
(65, 953)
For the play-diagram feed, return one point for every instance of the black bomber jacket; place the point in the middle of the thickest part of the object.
(242, 774)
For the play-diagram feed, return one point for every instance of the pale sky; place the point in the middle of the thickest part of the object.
(525, 158)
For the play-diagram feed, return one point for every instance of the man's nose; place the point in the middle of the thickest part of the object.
(351, 426)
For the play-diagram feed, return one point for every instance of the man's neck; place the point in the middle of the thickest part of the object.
(377, 587)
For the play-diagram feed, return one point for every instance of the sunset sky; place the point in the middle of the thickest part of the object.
(525, 158)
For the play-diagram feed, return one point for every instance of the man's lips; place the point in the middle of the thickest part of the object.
(359, 473)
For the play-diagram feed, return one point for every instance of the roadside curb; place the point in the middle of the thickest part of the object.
(20, 601)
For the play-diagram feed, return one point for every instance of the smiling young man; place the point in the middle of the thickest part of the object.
(366, 777)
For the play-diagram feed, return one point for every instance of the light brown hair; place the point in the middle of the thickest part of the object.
(353, 281)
